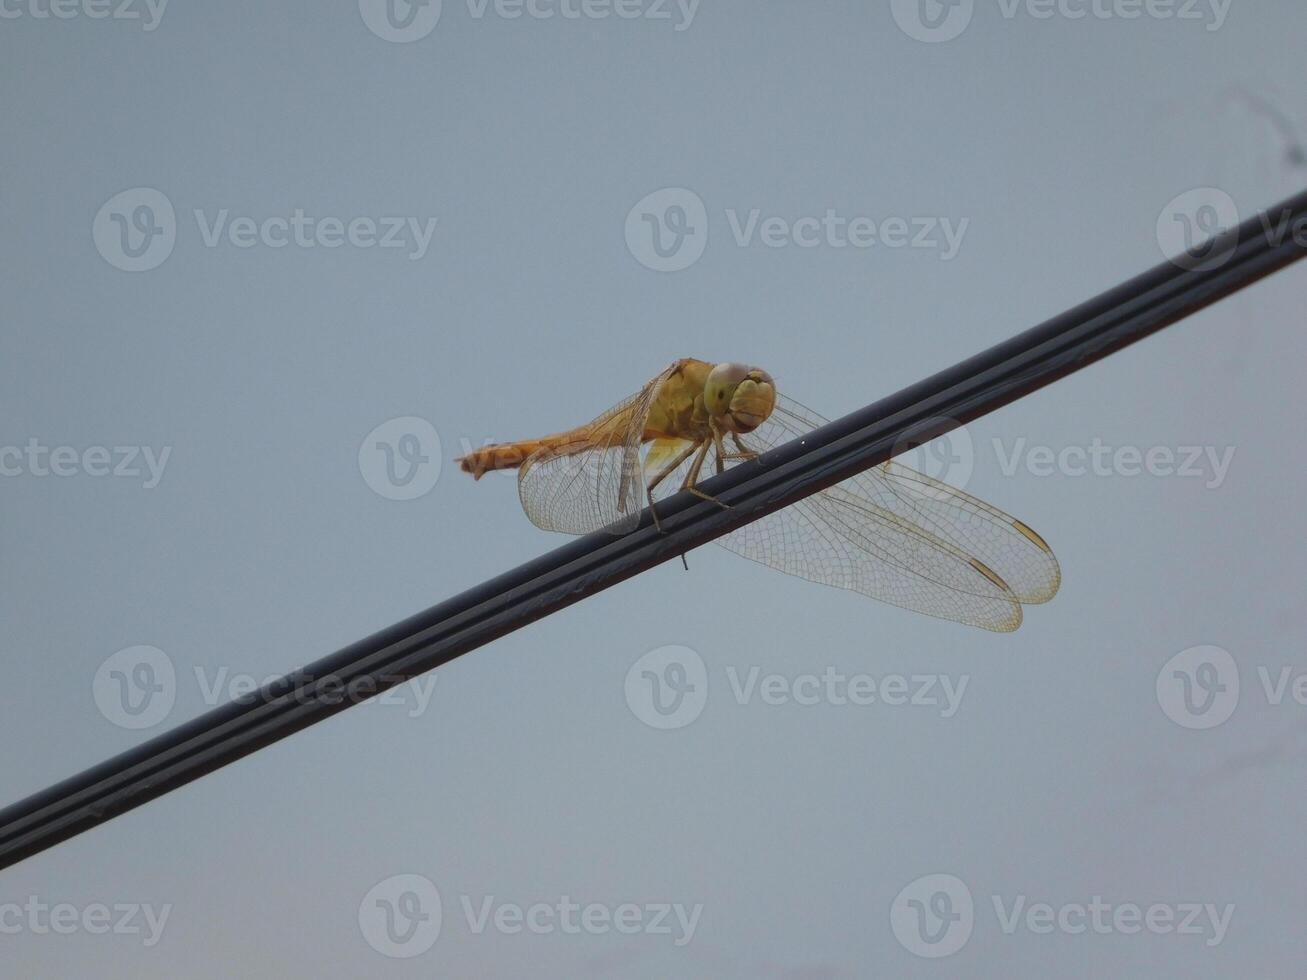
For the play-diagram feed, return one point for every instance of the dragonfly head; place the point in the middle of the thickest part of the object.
(738, 396)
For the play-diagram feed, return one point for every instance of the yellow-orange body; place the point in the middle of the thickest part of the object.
(678, 410)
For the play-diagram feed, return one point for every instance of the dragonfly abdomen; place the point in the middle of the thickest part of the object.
(511, 455)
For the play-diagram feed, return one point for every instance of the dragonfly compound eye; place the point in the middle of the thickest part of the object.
(719, 389)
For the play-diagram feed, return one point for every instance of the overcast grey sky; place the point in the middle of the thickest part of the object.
(243, 245)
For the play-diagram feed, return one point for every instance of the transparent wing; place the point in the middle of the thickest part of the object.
(895, 535)
(838, 540)
(1018, 555)
(594, 481)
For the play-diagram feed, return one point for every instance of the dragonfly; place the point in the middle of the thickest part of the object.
(890, 532)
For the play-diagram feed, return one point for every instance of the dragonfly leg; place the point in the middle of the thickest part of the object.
(663, 474)
(744, 453)
(692, 478)
(721, 453)
(707, 496)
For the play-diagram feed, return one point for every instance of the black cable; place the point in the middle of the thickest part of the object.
(980, 384)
